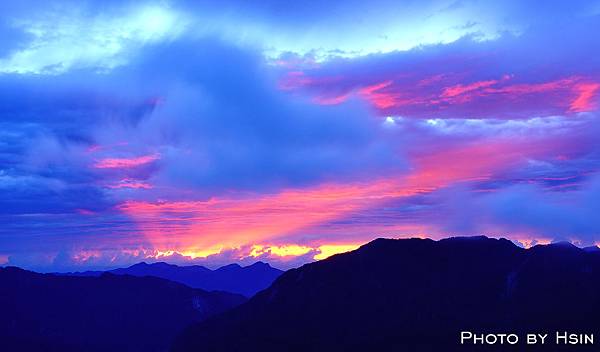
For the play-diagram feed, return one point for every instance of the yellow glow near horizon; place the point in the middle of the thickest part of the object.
(280, 251)
(328, 250)
(202, 253)
(258, 250)
(192, 253)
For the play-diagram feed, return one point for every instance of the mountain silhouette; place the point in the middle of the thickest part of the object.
(231, 278)
(47, 312)
(414, 295)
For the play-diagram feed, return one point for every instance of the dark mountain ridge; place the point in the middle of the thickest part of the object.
(233, 278)
(46, 312)
(414, 295)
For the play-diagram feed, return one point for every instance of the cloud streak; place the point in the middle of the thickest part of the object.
(125, 163)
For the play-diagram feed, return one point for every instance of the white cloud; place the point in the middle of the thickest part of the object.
(68, 38)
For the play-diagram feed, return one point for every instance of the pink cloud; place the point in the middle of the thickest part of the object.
(331, 100)
(125, 163)
(465, 88)
(376, 94)
(447, 95)
(131, 183)
(251, 219)
(584, 101)
(93, 148)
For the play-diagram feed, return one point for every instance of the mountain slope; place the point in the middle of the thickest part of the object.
(412, 295)
(45, 312)
(231, 278)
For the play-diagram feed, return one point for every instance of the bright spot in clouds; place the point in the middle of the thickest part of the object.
(66, 38)
(328, 250)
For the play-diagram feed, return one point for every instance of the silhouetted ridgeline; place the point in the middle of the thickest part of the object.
(231, 278)
(46, 312)
(414, 295)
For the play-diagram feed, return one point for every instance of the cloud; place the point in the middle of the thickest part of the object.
(529, 211)
(228, 126)
(104, 35)
(63, 37)
(117, 163)
(184, 113)
(189, 119)
(13, 39)
(541, 72)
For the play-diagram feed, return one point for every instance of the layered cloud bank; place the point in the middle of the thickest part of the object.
(190, 132)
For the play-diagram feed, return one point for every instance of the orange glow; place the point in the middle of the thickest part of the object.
(232, 222)
(3, 259)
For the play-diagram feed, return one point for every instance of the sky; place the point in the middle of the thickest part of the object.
(212, 132)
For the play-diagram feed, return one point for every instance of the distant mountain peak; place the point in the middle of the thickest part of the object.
(230, 266)
(561, 245)
(231, 278)
(259, 264)
(566, 244)
(163, 264)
